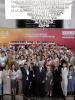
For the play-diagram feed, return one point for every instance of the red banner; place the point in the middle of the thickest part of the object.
(64, 37)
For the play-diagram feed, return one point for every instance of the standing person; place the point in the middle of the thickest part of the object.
(56, 87)
(1, 83)
(21, 60)
(10, 61)
(72, 59)
(32, 80)
(6, 81)
(3, 59)
(34, 83)
(25, 79)
(49, 79)
(13, 77)
(40, 77)
(64, 77)
(70, 80)
(74, 81)
(19, 80)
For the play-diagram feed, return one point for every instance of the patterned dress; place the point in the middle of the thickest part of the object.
(6, 82)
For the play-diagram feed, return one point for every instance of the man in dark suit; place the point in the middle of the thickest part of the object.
(25, 80)
(40, 76)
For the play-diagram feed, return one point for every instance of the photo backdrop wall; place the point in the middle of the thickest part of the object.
(64, 37)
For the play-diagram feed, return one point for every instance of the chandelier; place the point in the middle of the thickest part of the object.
(45, 11)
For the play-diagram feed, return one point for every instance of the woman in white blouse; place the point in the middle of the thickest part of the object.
(64, 78)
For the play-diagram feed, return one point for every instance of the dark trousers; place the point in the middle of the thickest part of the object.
(40, 89)
(25, 88)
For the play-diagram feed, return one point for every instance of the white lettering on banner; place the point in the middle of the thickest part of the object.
(38, 35)
(68, 34)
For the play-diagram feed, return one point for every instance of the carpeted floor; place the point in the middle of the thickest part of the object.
(35, 98)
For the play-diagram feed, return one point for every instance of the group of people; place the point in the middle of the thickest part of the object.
(37, 70)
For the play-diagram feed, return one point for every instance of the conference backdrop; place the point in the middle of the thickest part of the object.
(64, 37)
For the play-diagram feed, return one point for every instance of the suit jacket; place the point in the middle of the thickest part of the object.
(40, 75)
(24, 75)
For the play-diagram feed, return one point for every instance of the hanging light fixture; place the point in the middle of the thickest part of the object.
(45, 11)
